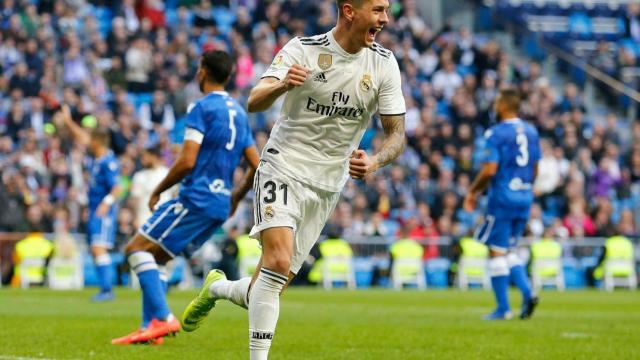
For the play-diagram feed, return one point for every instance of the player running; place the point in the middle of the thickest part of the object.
(333, 83)
(216, 138)
(510, 166)
(104, 189)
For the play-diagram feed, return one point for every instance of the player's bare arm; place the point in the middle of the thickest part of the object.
(181, 168)
(238, 193)
(269, 89)
(109, 200)
(482, 180)
(361, 164)
(77, 132)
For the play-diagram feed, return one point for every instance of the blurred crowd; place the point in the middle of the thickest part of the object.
(129, 66)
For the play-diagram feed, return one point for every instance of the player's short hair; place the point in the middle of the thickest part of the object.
(355, 3)
(101, 135)
(154, 150)
(511, 98)
(218, 64)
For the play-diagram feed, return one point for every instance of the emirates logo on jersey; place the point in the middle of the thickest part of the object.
(338, 107)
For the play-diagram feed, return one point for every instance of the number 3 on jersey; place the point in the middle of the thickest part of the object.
(523, 147)
(272, 192)
(232, 127)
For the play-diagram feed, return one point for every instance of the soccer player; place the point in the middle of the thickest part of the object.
(104, 189)
(146, 180)
(216, 138)
(333, 83)
(509, 169)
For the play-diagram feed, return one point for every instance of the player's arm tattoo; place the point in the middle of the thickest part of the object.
(394, 139)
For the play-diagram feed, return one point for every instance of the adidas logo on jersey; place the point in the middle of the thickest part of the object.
(320, 78)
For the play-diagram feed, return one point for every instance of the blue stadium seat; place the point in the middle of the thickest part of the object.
(363, 268)
(225, 19)
(580, 26)
(437, 272)
(574, 273)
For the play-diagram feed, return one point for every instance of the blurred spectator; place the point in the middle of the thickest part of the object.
(130, 68)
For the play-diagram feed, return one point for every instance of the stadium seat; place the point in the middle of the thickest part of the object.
(546, 266)
(437, 272)
(338, 269)
(547, 272)
(363, 268)
(65, 274)
(472, 269)
(31, 271)
(621, 273)
(408, 272)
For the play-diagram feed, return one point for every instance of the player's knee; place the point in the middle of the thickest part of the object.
(496, 253)
(97, 251)
(279, 262)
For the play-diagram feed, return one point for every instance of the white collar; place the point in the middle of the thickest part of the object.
(222, 92)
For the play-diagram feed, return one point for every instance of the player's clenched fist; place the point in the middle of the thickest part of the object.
(361, 164)
(296, 76)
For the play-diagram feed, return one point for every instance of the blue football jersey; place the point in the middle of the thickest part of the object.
(105, 173)
(226, 134)
(514, 145)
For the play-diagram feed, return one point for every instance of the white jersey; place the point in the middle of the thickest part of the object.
(322, 122)
(142, 186)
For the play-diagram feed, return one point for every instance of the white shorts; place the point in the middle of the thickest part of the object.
(281, 201)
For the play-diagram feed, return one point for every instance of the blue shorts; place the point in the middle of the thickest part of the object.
(101, 231)
(501, 233)
(173, 227)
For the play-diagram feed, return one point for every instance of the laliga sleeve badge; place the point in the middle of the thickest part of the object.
(365, 83)
(277, 60)
(178, 208)
(325, 61)
(269, 212)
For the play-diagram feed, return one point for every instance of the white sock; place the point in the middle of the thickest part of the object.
(234, 291)
(264, 308)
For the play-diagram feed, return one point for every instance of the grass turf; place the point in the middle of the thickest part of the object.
(314, 324)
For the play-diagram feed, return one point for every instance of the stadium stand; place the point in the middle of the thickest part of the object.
(129, 66)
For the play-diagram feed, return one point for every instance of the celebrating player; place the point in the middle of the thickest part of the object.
(510, 167)
(333, 83)
(216, 138)
(104, 189)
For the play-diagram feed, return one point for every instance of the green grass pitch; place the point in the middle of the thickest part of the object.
(314, 324)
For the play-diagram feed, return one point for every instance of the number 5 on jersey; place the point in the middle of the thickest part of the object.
(232, 126)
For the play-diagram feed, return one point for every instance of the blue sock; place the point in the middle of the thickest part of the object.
(499, 272)
(500, 285)
(153, 294)
(520, 278)
(147, 314)
(103, 267)
(164, 278)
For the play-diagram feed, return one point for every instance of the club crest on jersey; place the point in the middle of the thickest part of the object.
(365, 83)
(269, 213)
(325, 61)
(277, 60)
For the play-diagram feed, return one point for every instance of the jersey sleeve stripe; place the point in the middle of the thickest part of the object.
(193, 135)
(393, 114)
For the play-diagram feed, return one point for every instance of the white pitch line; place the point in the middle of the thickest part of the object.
(11, 357)
(574, 335)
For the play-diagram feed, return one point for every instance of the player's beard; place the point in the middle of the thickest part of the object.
(201, 85)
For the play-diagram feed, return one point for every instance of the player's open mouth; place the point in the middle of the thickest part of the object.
(373, 31)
